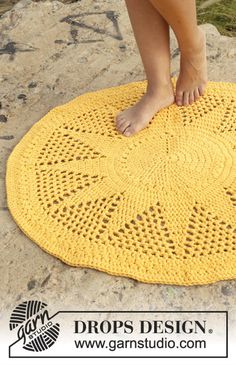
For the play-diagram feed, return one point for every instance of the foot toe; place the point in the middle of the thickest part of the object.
(122, 124)
(191, 97)
(119, 118)
(186, 98)
(201, 90)
(196, 94)
(125, 125)
(179, 98)
(129, 131)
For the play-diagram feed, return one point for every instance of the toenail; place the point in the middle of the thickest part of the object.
(127, 133)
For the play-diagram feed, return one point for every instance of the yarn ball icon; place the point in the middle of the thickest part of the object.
(34, 326)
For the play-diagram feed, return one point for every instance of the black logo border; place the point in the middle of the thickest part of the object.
(113, 357)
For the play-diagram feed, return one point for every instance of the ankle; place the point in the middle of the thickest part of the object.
(154, 88)
(194, 45)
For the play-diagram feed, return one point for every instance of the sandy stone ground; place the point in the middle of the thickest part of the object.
(51, 52)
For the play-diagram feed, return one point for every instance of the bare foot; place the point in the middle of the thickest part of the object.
(137, 117)
(192, 79)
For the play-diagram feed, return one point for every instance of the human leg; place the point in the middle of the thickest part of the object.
(151, 32)
(181, 16)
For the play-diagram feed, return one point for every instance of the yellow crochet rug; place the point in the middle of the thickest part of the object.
(159, 207)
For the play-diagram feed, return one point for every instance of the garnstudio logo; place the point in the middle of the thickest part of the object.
(34, 326)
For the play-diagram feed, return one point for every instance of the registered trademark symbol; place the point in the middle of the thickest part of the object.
(210, 330)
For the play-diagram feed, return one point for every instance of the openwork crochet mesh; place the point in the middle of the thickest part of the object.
(159, 207)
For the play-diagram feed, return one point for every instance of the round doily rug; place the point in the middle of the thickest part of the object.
(159, 207)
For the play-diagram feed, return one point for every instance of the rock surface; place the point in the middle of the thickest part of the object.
(50, 53)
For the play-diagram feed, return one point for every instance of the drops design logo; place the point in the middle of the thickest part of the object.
(34, 326)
